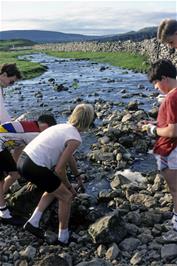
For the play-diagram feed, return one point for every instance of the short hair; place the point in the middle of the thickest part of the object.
(166, 29)
(82, 116)
(160, 68)
(48, 119)
(11, 70)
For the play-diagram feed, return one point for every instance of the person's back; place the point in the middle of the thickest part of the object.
(47, 147)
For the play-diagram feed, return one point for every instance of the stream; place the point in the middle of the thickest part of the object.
(94, 82)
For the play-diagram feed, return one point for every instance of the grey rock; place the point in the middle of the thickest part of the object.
(169, 251)
(108, 229)
(29, 252)
(129, 244)
(95, 262)
(52, 260)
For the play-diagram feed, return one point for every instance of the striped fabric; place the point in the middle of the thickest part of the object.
(19, 127)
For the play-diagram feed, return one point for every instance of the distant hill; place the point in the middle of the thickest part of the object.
(52, 36)
(43, 36)
(145, 33)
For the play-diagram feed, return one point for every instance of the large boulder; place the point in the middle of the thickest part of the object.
(108, 229)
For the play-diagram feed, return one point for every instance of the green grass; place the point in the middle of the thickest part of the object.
(126, 60)
(28, 69)
(7, 44)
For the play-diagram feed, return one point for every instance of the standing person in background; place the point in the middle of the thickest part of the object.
(167, 32)
(44, 162)
(163, 76)
(9, 73)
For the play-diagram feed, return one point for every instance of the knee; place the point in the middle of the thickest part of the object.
(68, 196)
(65, 196)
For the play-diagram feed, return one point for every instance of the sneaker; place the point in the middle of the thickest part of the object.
(36, 231)
(60, 243)
(12, 220)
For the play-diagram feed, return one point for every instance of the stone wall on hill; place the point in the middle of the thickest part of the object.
(149, 47)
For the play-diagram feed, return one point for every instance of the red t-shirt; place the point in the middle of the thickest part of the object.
(167, 115)
(30, 126)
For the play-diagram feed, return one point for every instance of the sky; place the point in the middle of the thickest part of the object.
(85, 17)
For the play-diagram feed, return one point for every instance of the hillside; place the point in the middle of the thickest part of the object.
(43, 36)
(145, 33)
(52, 37)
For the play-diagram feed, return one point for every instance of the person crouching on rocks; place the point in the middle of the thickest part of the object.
(44, 162)
(167, 32)
(13, 135)
(163, 76)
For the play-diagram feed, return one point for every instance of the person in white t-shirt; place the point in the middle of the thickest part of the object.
(44, 162)
(9, 73)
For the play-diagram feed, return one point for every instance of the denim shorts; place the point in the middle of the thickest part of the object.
(169, 161)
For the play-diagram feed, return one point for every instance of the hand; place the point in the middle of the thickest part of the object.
(80, 186)
(150, 129)
(30, 187)
(73, 191)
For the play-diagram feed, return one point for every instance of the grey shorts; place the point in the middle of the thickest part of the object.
(169, 161)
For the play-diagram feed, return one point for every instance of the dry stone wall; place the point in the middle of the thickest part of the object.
(149, 47)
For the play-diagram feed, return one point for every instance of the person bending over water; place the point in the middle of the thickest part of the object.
(44, 162)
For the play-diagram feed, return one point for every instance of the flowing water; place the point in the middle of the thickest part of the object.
(95, 81)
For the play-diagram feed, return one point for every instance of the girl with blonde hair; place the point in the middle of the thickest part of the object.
(44, 162)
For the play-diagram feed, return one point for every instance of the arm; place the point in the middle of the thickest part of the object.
(73, 167)
(65, 158)
(170, 131)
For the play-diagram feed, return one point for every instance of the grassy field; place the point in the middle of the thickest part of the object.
(7, 44)
(28, 69)
(131, 61)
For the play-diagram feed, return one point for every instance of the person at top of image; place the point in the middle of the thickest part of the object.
(167, 32)
(9, 74)
(162, 74)
(44, 162)
(12, 135)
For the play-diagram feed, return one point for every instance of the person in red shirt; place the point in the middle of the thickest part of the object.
(162, 74)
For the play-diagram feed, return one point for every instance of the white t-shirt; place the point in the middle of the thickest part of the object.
(46, 149)
(4, 116)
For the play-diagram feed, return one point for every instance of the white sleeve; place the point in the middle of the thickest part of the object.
(4, 116)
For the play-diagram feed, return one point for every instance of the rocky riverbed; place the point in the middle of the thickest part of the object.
(123, 218)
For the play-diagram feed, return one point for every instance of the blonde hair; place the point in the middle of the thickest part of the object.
(82, 116)
(166, 29)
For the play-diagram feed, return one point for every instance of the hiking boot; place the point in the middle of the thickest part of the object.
(36, 231)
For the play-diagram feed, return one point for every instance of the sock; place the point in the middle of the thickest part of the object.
(4, 212)
(63, 235)
(35, 218)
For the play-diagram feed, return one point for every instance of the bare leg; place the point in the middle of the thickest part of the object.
(17, 152)
(65, 198)
(45, 201)
(171, 179)
(2, 200)
(9, 180)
